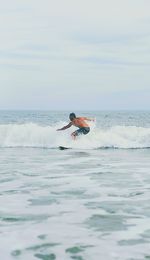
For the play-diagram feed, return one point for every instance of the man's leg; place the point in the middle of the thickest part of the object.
(74, 135)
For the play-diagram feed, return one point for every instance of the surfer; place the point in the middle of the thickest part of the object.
(79, 122)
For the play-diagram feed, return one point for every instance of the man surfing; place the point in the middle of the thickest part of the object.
(79, 122)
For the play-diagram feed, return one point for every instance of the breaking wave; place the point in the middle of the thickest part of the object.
(34, 135)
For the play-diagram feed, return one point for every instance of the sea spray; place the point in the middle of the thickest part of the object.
(36, 135)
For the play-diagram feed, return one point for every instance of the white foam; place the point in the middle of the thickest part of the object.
(34, 135)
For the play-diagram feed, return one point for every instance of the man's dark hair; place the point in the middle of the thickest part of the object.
(72, 116)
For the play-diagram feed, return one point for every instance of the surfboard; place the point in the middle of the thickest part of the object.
(63, 148)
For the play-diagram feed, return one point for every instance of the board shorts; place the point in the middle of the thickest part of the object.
(82, 130)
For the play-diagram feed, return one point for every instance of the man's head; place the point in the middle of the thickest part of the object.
(72, 116)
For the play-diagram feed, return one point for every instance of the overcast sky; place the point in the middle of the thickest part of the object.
(75, 54)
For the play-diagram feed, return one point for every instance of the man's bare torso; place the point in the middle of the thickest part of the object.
(79, 122)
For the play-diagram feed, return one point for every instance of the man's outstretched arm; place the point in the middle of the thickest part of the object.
(65, 127)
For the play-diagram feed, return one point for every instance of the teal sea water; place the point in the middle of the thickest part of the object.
(90, 202)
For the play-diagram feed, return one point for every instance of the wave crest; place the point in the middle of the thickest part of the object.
(34, 135)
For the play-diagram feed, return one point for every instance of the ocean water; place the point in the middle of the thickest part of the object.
(89, 202)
